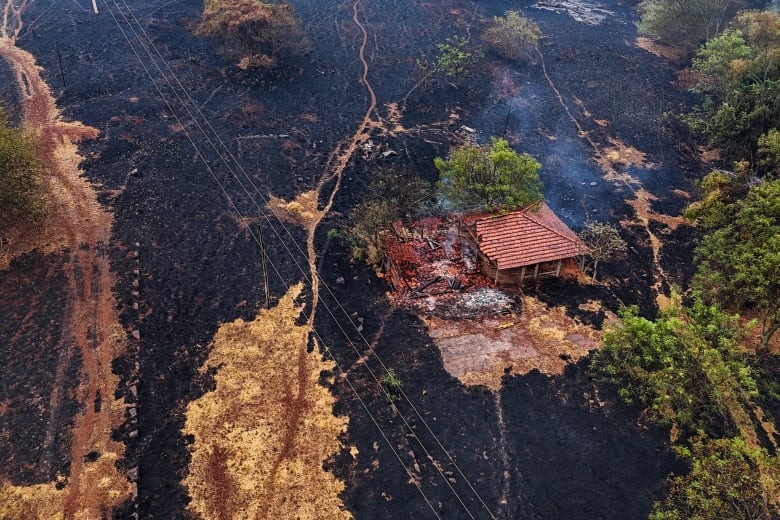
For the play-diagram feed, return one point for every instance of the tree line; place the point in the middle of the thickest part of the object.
(690, 368)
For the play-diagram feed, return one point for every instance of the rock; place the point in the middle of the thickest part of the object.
(132, 411)
(340, 280)
(594, 183)
(133, 434)
(136, 334)
(132, 474)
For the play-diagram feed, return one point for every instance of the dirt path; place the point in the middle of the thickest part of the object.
(609, 158)
(91, 324)
(337, 163)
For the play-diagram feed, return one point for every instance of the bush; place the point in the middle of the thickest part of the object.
(511, 36)
(392, 384)
(253, 33)
(21, 173)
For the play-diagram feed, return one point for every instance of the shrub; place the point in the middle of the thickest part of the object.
(511, 36)
(21, 173)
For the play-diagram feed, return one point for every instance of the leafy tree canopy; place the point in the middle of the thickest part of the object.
(454, 58)
(491, 176)
(739, 262)
(393, 195)
(511, 36)
(769, 153)
(21, 173)
(685, 367)
(253, 33)
(738, 76)
(688, 23)
(729, 479)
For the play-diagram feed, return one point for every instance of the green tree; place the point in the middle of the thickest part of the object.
(728, 479)
(685, 23)
(21, 174)
(393, 386)
(492, 176)
(253, 33)
(511, 36)
(769, 153)
(739, 262)
(738, 77)
(685, 367)
(454, 58)
(604, 241)
(722, 190)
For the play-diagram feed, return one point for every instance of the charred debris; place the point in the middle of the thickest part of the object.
(474, 265)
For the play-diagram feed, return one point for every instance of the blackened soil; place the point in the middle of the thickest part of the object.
(39, 370)
(199, 267)
(577, 452)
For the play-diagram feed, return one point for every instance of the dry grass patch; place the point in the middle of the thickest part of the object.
(262, 435)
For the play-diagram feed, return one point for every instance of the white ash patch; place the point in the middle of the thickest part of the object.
(583, 11)
(487, 298)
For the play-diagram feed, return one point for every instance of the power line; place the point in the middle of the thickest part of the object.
(265, 216)
(232, 204)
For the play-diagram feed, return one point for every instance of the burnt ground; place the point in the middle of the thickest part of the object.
(565, 455)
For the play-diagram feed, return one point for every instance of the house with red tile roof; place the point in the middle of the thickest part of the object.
(530, 243)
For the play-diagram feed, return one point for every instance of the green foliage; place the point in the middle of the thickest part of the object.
(738, 76)
(685, 24)
(769, 152)
(739, 262)
(392, 384)
(685, 367)
(604, 241)
(493, 177)
(511, 36)
(453, 59)
(393, 195)
(721, 191)
(728, 479)
(21, 174)
(713, 62)
(253, 33)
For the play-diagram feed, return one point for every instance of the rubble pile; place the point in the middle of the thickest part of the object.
(434, 272)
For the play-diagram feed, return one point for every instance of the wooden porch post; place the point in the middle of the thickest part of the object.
(536, 271)
(558, 268)
(522, 275)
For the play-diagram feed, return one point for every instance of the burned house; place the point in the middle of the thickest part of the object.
(452, 267)
(531, 243)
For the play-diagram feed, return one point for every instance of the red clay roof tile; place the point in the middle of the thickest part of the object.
(527, 237)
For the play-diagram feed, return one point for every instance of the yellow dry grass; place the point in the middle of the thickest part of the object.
(262, 435)
(671, 54)
(41, 501)
(619, 154)
(301, 211)
(101, 487)
(534, 340)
